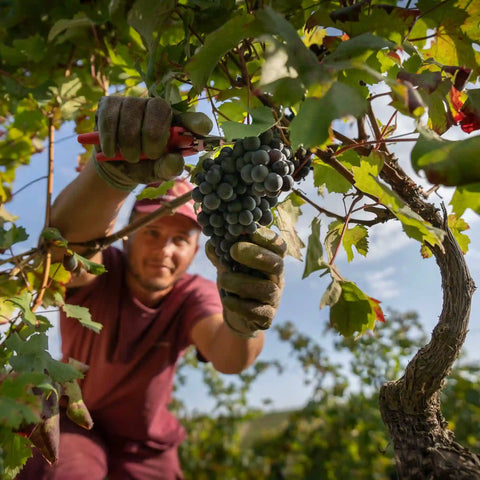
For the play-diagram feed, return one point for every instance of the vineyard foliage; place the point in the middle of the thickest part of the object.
(323, 73)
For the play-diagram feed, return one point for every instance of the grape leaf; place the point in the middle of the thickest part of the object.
(262, 120)
(18, 405)
(12, 236)
(324, 174)
(52, 234)
(313, 260)
(331, 295)
(333, 238)
(16, 450)
(287, 215)
(79, 20)
(413, 225)
(457, 226)
(23, 301)
(89, 266)
(82, 314)
(355, 237)
(218, 44)
(61, 372)
(447, 162)
(353, 312)
(310, 127)
(465, 197)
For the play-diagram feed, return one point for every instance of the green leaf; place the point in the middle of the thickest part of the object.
(299, 56)
(16, 450)
(355, 237)
(353, 312)
(466, 197)
(52, 234)
(147, 17)
(457, 226)
(413, 225)
(332, 294)
(23, 302)
(324, 174)
(12, 236)
(80, 20)
(82, 314)
(154, 192)
(218, 44)
(288, 212)
(262, 120)
(61, 372)
(314, 253)
(6, 216)
(356, 47)
(89, 266)
(310, 127)
(333, 238)
(446, 162)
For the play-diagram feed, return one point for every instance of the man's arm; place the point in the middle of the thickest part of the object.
(227, 352)
(86, 209)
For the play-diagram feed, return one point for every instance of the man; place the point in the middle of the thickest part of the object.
(150, 308)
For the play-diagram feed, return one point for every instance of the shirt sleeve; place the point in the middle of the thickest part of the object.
(202, 301)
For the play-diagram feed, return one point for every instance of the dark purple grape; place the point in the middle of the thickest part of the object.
(259, 173)
(197, 195)
(267, 218)
(212, 201)
(251, 143)
(273, 182)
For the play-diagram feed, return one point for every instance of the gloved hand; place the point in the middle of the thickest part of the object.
(250, 300)
(136, 125)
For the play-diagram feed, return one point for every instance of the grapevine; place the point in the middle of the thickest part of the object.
(237, 190)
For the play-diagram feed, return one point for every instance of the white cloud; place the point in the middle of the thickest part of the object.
(383, 284)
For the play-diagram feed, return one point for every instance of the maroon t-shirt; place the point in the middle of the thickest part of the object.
(132, 360)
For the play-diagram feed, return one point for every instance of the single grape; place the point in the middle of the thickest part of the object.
(216, 220)
(220, 231)
(203, 219)
(251, 143)
(225, 191)
(275, 155)
(239, 163)
(252, 228)
(207, 230)
(207, 163)
(276, 143)
(260, 157)
(199, 178)
(205, 188)
(257, 214)
(240, 189)
(235, 229)
(267, 218)
(211, 201)
(287, 183)
(245, 217)
(248, 202)
(272, 201)
(273, 182)
(197, 195)
(266, 137)
(248, 157)
(280, 167)
(227, 150)
(238, 149)
(264, 205)
(214, 175)
(259, 173)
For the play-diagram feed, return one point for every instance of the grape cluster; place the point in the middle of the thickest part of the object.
(238, 188)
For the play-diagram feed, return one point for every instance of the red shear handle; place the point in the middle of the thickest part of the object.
(180, 140)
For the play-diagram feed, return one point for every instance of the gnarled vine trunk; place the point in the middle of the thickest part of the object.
(410, 407)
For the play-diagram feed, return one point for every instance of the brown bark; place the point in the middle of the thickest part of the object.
(410, 407)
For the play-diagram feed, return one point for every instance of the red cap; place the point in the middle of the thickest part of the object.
(179, 188)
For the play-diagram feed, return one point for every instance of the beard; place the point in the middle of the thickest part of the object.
(147, 283)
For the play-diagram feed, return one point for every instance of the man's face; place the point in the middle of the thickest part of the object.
(159, 254)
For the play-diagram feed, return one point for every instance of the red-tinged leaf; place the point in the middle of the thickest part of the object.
(379, 317)
(353, 313)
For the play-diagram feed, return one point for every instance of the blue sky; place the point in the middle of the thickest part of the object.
(393, 272)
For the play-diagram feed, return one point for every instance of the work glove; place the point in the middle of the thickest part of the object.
(135, 125)
(250, 299)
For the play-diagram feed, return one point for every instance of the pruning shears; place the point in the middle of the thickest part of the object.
(181, 141)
